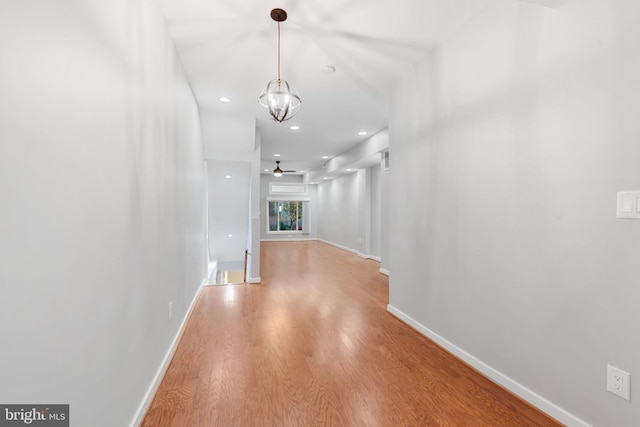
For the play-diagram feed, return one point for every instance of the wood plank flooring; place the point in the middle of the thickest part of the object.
(313, 345)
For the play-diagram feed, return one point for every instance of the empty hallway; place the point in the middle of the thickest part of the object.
(313, 345)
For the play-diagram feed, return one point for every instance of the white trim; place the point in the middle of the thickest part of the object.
(372, 257)
(303, 239)
(254, 280)
(498, 377)
(293, 198)
(385, 160)
(305, 217)
(384, 271)
(162, 370)
(286, 232)
(294, 186)
(337, 245)
(212, 267)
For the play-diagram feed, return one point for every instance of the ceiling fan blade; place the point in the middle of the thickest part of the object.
(281, 170)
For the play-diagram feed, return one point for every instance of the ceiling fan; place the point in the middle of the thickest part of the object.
(278, 172)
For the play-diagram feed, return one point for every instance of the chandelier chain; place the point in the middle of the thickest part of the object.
(278, 50)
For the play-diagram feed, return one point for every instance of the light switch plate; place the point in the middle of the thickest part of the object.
(628, 205)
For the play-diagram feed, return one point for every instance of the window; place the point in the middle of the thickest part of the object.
(287, 189)
(285, 215)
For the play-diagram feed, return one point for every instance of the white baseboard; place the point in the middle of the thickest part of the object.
(290, 239)
(162, 370)
(373, 257)
(254, 280)
(384, 271)
(339, 246)
(534, 399)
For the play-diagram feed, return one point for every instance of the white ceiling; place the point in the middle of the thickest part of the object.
(228, 48)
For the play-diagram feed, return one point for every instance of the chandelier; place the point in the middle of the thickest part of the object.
(279, 100)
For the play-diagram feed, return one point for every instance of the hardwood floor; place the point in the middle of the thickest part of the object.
(313, 345)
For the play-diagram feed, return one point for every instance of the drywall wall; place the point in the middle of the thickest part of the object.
(350, 213)
(222, 130)
(230, 199)
(384, 217)
(361, 155)
(253, 241)
(363, 222)
(375, 192)
(229, 209)
(509, 144)
(102, 204)
(338, 220)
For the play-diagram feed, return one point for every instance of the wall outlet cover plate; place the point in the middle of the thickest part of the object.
(619, 382)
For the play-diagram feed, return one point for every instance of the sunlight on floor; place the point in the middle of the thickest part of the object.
(226, 277)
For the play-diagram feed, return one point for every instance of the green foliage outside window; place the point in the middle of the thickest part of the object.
(285, 216)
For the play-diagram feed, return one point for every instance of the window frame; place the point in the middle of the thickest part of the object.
(301, 200)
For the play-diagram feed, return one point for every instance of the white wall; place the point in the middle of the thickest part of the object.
(253, 244)
(222, 130)
(350, 211)
(385, 201)
(375, 183)
(338, 221)
(102, 204)
(509, 144)
(228, 209)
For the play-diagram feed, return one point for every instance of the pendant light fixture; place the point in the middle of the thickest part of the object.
(277, 172)
(279, 100)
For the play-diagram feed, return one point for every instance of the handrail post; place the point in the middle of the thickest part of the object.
(246, 255)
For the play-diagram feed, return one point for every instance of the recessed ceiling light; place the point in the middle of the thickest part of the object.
(362, 133)
(349, 170)
(276, 155)
(229, 235)
(325, 157)
(266, 170)
(300, 171)
(228, 176)
(225, 99)
(325, 178)
(294, 127)
(327, 69)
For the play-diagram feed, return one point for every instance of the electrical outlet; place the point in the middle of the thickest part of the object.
(170, 310)
(619, 382)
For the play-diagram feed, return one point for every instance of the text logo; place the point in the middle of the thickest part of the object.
(34, 415)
